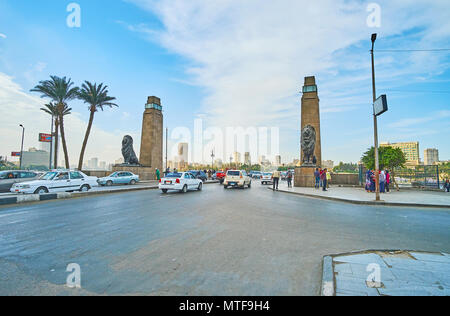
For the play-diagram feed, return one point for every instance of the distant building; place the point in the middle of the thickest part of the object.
(278, 160)
(410, 149)
(93, 164)
(247, 159)
(328, 164)
(35, 157)
(237, 157)
(431, 156)
(102, 165)
(218, 163)
(183, 153)
(119, 161)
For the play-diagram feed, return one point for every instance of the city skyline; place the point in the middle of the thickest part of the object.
(198, 79)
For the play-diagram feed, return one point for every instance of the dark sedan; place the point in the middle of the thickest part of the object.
(199, 175)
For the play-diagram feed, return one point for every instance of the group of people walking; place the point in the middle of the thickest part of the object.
(385, 181)
(322, 179)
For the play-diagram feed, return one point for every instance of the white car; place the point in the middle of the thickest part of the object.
(180, 181)
(237, 178)
(267, 178)
(57, 181)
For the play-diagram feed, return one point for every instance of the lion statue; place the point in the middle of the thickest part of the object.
(309, 144)
(128, 152)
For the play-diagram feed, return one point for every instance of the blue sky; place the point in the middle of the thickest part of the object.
(232, 63)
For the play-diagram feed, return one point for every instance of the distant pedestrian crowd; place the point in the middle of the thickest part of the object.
(385, 181)
(322, 179)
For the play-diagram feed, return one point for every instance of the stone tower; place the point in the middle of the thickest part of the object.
(311, 114)
(310, 111)
(152, 135)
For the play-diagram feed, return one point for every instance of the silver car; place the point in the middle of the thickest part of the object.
(11, 177)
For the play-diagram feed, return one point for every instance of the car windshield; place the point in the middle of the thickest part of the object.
(174, 175)
(49, 176)
(113, 175)
(267, 174)
(234, 173)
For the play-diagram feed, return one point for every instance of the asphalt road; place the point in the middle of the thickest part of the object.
(214, 242)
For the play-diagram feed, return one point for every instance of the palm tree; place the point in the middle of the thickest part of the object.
(60, 90)
(97, 97)
(52, 109)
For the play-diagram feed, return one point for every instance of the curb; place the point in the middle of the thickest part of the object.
(373, 203)
(328, 285)
(20, 199)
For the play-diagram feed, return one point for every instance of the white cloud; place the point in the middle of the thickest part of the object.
(19, 107)
(2, 35)
(250, 55)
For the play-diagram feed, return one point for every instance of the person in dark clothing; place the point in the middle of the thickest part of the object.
(447, 186)
(317, 177)
(289, 179)
(323, 178)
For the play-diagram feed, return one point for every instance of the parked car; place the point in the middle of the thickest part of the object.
(122, 177)
(180, 181)
(9, 178)
(198, 174)
(237, 178)
(284, 175)
(267, 178)
(57, 181)
(220, 176)
(256, 174)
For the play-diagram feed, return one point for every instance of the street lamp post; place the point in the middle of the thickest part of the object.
(51, 147)
(212, 159)
(21, 148)
(375, 124)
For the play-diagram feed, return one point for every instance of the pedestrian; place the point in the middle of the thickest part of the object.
(447, 185)
(317, 178)
(372, 182)
(323, 179)
(158, 174)
(382, 182)
(388, 180)
(276, 180)
(289, 179)
(328, 179)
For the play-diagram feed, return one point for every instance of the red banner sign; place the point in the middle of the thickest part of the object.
(45, 138)
(15, 154)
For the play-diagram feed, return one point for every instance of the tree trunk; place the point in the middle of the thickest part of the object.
(393, 180)
(56, 140)
(86, 137)
(63, 140)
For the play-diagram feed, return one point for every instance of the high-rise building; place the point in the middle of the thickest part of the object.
(247, 159)
(183, 153)
(278, 160)
(93, 163)
(237, 157)
(431, 156)
(152, 135)
(410, 149)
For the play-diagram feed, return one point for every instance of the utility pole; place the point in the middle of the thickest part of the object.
(212, 159)
(51, 147)
(21, 148)
(375, 124)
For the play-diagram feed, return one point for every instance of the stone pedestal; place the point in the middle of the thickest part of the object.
(304, 177)
(144, 173)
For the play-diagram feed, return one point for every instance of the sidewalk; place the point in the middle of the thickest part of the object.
(360, 196)
(387, 273)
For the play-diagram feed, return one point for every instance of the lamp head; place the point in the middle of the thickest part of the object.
(374, 37)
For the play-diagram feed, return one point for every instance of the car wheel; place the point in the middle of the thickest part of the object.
(133, 182)
(225, 186)
(164, 191)
(200, 186)
(184, 190)
(109, 183)
(85, 188)
(41, 190)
